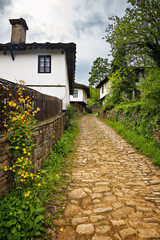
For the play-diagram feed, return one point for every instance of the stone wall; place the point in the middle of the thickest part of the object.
(46, 133)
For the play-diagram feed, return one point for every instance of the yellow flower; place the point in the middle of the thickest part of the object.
(38, 109)
(5, 168)
(31, 175)
(61, 229)
(38, 184)
(21, 180)
(10, 94)
(24, 151)
(10, 168)
(16, 148)
(29, 154)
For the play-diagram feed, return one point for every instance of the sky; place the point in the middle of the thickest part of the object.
(80, 21)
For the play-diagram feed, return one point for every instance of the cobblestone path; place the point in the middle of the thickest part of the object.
(115, 190)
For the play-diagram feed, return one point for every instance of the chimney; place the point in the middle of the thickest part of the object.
(19, 28)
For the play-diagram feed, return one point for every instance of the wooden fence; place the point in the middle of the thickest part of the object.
(49, 106)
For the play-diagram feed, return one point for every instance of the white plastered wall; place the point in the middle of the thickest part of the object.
(81, 96)
(106, 87)
(25, 67)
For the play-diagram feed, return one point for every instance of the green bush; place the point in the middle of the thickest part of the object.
(150, 88)
(70, 113)
(21, 212)
(21, 216)
(137, 116)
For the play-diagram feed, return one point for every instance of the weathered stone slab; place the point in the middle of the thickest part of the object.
(122, 212)
(71, 210)
(96, 218)
(77, 194)
(148, 233)
(86, 202)
(76, 221)
(127, 232)
(101, 184)
(88, 212)
(101, 210)
(87, 190)
(67, 234)
(101, 189)
(110, 198)
(59, 222)
(117, 223)
(85, 228)
(103, 229)
(96, 195)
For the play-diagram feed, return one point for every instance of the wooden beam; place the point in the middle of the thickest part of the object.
(12, 55)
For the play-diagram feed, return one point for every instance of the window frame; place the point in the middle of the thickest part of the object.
(102, 89)
(75, 95)
(44, 56)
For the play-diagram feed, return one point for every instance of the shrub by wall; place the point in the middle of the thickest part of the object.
(137, 116)
(45, 134)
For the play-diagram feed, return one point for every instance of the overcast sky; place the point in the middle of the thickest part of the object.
(80, 21)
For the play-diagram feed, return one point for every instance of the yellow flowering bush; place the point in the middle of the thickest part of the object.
(19, 122)
(21, 210)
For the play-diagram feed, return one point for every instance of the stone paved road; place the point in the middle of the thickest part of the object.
(115, 191)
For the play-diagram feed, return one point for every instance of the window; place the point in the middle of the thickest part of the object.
(44, 64)
(102, 88)
(75, 94)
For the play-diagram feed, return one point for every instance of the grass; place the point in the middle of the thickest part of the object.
(148, 148)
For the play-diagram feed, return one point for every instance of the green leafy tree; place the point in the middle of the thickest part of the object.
(150, 88)
(95, 95)
(137, 33)
(122, 78)
(99, 71)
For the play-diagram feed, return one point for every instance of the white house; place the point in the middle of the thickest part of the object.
(80, 95)
(104, 87)
(46, 67)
